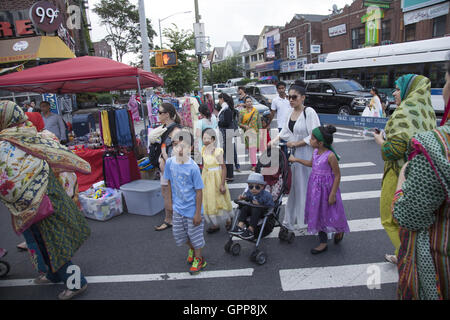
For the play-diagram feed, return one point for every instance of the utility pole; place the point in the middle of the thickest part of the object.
(200, 69)
(144, 36)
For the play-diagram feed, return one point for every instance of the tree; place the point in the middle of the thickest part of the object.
(229, 69)
(121, 19)
(180, 79)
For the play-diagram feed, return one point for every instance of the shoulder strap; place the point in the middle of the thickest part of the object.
(304, 112)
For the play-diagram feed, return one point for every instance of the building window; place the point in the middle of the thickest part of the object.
(254, 58)
(358, 37)
(261, 56)
(410, 32)
(439, 26)
(386, 30)
(300, 47)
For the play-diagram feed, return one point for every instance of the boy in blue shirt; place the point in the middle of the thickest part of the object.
(185, 184)
(255, 194)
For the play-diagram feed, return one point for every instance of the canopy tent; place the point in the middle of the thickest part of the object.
(32, 48)
(83, 74)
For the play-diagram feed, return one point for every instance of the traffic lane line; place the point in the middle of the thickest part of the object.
(143, 277)
(370, 274)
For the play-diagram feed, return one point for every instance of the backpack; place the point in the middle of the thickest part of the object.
(155, 148)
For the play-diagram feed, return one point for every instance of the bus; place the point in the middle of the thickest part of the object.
(381, 66)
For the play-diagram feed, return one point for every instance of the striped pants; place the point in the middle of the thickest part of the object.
(184, 231)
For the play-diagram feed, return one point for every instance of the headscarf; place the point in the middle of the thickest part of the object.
(319, 136)
(415, 113)
(25, 162)
(36, 119)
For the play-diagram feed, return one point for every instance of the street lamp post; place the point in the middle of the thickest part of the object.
(159, 20)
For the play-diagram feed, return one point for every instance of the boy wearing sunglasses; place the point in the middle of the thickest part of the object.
(255, 194)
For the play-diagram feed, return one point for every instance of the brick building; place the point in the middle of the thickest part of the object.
(346, 30)
(102, 49)
(296, 38)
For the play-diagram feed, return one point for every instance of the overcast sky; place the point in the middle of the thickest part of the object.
(225, 20)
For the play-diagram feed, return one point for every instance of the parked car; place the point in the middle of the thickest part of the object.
(264, 93)
(260, 107)
(341, 96)
(233, 82)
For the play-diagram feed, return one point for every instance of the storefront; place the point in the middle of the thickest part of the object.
(271, 68)
(292, 69)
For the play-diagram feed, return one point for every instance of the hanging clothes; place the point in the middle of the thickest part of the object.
(112, 127)
(106, 130)
(134, 107)
(123, 128)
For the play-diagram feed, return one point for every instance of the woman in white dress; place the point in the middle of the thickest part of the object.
(297, 132)
(374, 109)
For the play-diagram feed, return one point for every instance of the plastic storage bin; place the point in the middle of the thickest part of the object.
(101, 209)
(82, 124)
(143, 197)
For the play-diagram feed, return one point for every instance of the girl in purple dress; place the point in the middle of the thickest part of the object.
(324, 211)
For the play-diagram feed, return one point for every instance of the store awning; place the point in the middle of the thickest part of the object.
(42, 47)
(268, 66)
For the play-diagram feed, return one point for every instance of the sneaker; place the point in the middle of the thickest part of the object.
(237, 231)
(391, 258)
(197, 266)
(190, 257)
(247, 234)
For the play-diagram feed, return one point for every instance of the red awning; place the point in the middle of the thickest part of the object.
(83, 74)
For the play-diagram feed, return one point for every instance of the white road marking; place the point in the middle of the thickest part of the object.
(338, 276)
(358, 225)
(145, 277)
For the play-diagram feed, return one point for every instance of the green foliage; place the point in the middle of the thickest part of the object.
(229, 69)
(121, 19)
(97, 97)
(180, 79)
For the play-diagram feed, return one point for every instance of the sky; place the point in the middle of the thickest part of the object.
(225, 20)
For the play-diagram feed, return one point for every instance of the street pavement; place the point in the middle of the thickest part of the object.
(126, 259)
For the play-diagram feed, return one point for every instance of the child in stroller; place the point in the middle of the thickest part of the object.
(256, 195)
(263, 219)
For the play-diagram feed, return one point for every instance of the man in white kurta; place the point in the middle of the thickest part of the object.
(294, 217)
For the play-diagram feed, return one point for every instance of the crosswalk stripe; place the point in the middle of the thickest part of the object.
(144, 277)
(361, 195)
(357, 225)
(360, 177)
(370, 275)
(341, 165)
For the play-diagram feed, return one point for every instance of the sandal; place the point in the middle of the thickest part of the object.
(391, 258)
(42, 279)
(228, 225)
(213, 229)
(338, 237)
(22, 246)
(69, 294)
(163, 226)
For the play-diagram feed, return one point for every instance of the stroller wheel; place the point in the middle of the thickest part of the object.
(282, 235)
(235, 249)
(254, 254)
(290, 237)
(261, 258)
(4, 268)
(228, 246)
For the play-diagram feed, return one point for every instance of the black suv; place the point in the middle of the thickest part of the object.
(339, 96)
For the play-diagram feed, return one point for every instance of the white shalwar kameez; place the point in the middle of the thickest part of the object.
(294, 217)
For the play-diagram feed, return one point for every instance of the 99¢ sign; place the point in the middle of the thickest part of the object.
(45, 16)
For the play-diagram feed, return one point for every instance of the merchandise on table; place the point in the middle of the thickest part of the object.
(83, 124)
(143, 197)
(101, 203)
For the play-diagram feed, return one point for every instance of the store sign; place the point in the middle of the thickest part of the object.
(293, 66)
(315, 48)
(270, 53)
(16, 28)
(337, 30)
(385, 4)
(20, 46)
(46, 16)
(373, 25)
(292, 48)
(53, 100)
(426, 14)
(409, 5)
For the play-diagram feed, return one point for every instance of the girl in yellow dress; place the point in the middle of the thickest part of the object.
(216, 196)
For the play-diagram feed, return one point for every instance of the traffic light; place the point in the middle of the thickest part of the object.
(165, 58)
(169, 59)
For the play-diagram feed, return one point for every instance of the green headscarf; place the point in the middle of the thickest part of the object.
(403, 83)
(319, 136)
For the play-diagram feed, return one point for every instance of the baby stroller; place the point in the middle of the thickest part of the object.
(278, 185)
(4, 266)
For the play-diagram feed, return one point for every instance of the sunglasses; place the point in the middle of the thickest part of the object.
(161, 112)
(293, 97)
(251, 186)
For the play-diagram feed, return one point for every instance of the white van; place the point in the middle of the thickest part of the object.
(233, 82)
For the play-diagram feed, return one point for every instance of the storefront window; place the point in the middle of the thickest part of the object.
(410, 32)
(300, 47)
(386, 30)
(358, 37)
(439, 26)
